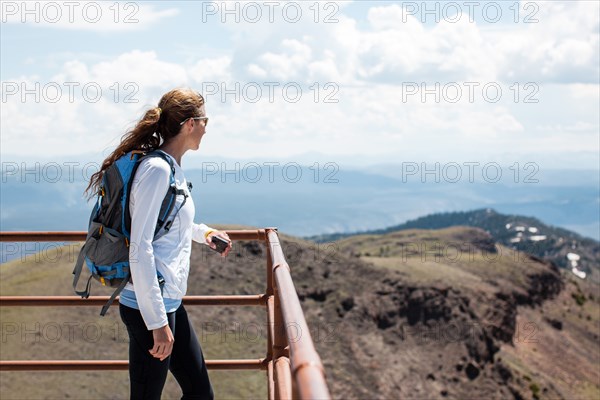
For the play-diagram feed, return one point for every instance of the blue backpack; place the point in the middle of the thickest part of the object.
(106, 248)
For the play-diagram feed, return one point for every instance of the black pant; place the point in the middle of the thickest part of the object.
(148, 374)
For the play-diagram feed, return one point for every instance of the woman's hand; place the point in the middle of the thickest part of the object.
(163, 342)
(214, 246)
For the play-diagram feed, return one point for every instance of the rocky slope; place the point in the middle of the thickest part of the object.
(417, 328)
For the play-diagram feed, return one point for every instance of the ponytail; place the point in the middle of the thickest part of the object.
(158, 124)
(142, 137)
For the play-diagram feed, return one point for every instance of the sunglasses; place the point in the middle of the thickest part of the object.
(198, 118)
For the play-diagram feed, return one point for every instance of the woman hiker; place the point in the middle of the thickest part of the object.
(161, 338)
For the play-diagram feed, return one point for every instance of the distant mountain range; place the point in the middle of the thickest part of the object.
(526, 234)
(314, 200)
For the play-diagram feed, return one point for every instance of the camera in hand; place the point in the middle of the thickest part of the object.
(220, 243)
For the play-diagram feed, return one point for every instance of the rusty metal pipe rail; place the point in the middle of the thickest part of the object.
(117, 365)
(306, 366)
(293, 367)
(79, 236)
(43, 301)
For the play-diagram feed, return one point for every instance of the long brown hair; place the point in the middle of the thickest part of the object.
(158, 125)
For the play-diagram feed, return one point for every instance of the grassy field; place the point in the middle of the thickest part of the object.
(445, 255)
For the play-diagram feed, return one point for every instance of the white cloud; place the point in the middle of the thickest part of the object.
(256, 71)
(98, 16)
(583, 91)
(211, 70)
(562, 47)
(368, 62)
(289, 64)
(85, 106)
(579, 126)
(142, 68)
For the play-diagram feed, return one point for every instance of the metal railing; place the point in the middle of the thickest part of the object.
(293, 368)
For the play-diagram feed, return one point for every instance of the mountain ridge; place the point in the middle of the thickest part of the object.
(527, 234)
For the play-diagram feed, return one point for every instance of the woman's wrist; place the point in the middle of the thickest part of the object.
(208, 232)
(200, 232)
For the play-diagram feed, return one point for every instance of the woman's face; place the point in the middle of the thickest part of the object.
(198, 129)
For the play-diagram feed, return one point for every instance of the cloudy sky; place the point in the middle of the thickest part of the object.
(358, 82)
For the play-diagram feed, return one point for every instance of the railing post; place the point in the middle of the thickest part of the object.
(306, 366)
(270, 335)
(270, 321)
(280, 351)
(283, 372)
(270, 381)
(269, 290)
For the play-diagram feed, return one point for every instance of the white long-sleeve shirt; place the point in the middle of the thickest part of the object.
(170, 253)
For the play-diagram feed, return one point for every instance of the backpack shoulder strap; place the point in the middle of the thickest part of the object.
(77, 270)
(113, 297)
(164, 156)
(127, 192)
(168, 204)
